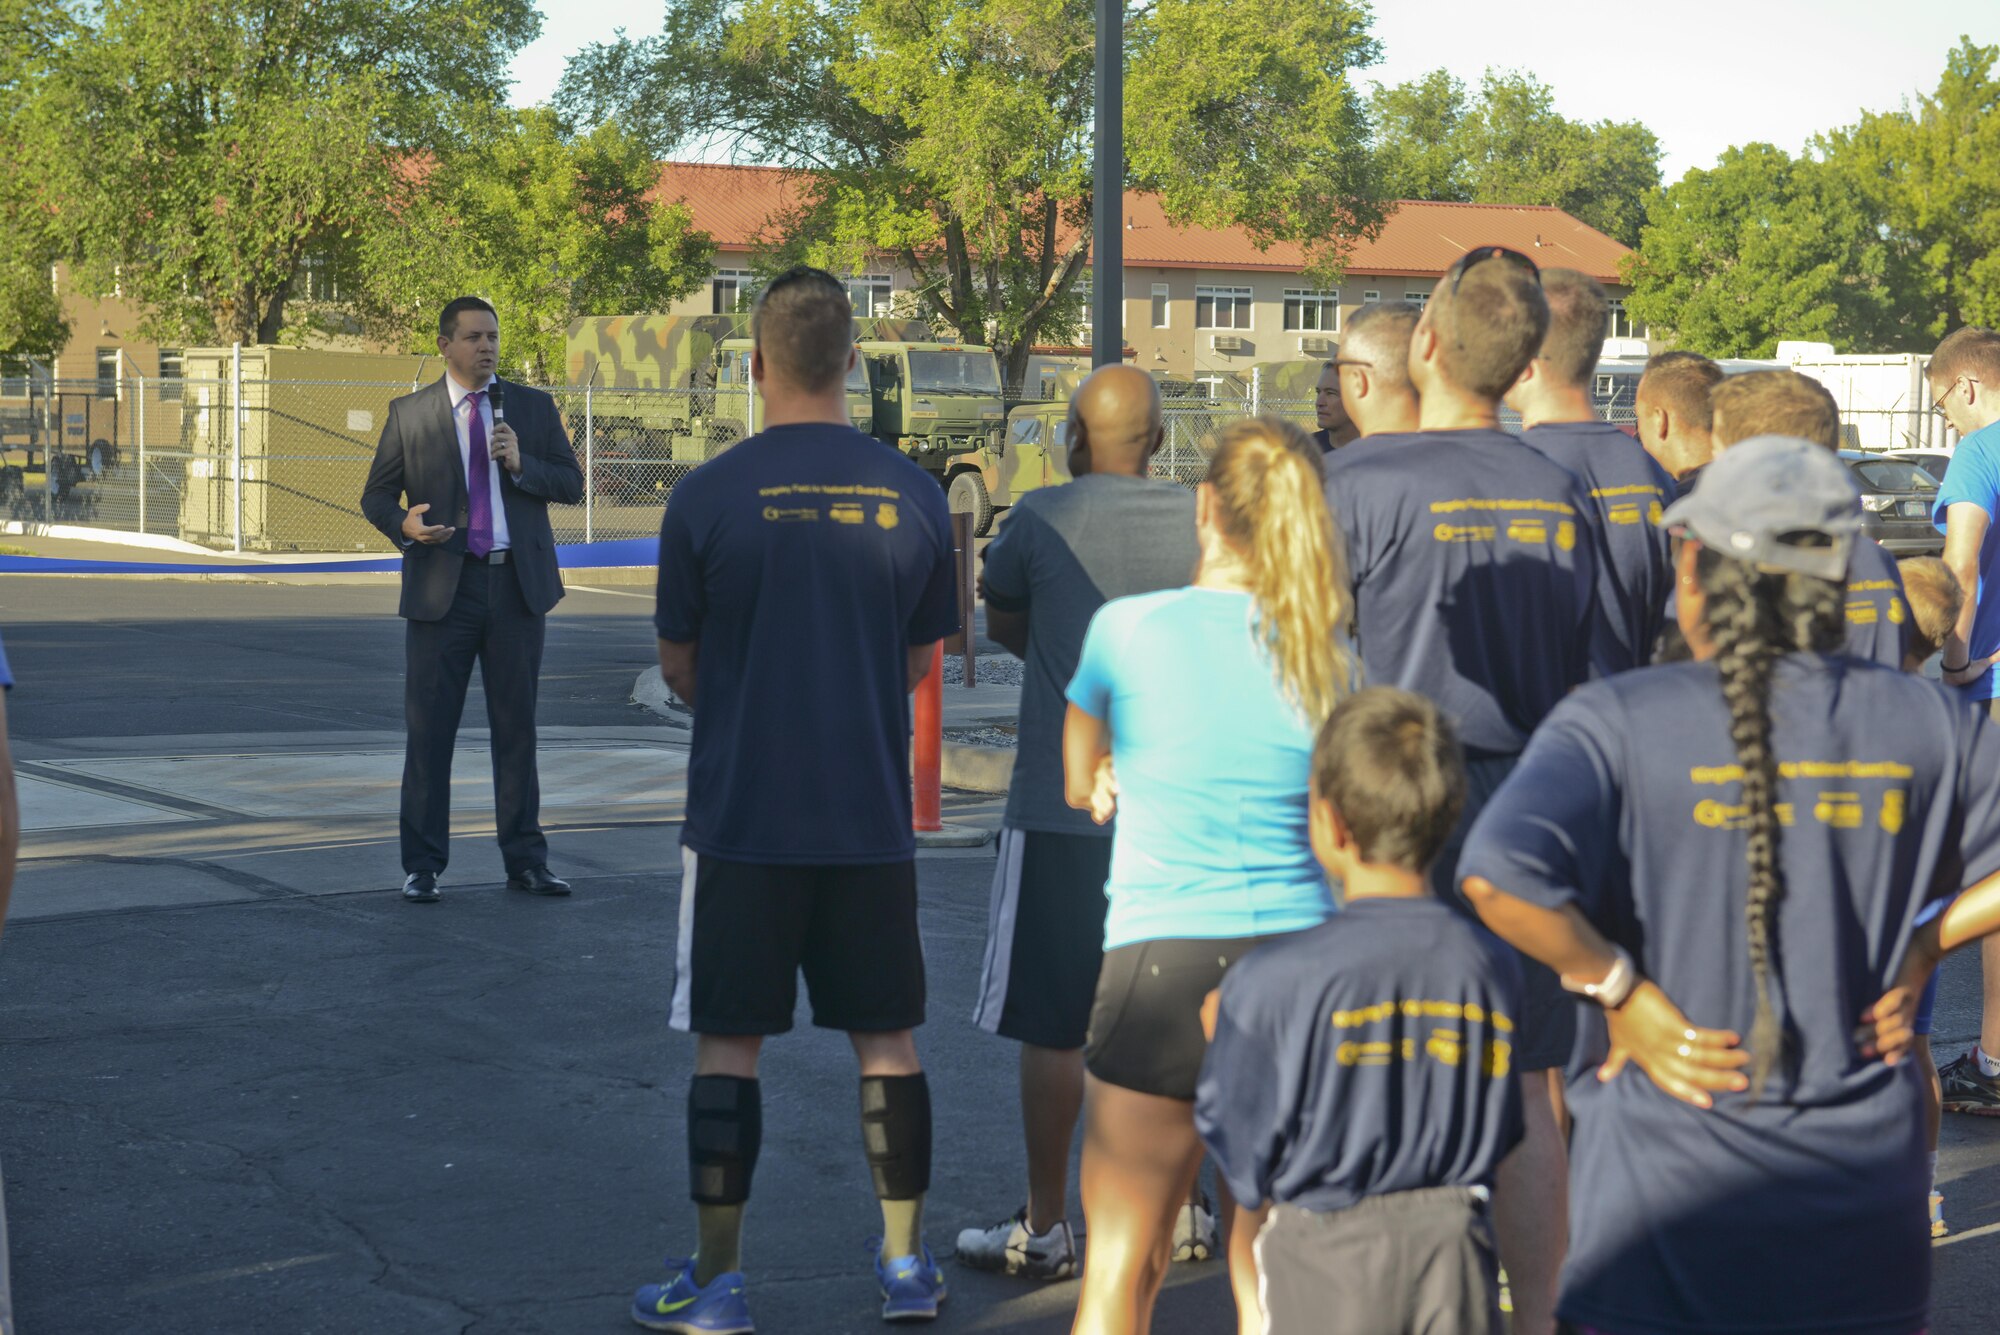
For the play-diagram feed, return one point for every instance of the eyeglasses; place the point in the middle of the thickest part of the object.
(1938, 407)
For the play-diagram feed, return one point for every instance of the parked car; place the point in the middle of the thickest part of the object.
(1897, 496)
(1933, 462)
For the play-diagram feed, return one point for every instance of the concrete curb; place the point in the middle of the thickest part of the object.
(110, 536)
(978, 769)
(955, 835)
(971, 769)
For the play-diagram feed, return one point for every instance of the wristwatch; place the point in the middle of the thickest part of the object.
(1612, 990)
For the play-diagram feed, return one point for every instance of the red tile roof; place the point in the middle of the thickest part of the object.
(735, 205)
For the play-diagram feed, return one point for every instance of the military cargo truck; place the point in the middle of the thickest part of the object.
(669, 392)
(936, 402)
(1034, 451)
(1287, 383)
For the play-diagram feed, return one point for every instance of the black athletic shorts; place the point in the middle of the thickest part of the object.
(1547, 1032)
(747, 929)
(1044, 937)
(1145, 1029)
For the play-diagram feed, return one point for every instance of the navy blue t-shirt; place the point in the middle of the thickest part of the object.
(1878, 613)
(1635, 566)
(1804, 1211)
(805, 561)
(1474, 582)
(1370, 1054)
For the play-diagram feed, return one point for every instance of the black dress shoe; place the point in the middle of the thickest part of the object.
(537, 881)
(420, 887)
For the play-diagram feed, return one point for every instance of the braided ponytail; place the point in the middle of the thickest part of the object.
(1753, 619)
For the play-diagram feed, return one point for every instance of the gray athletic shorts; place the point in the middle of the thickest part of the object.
(6, 1289)
(1409, 1261)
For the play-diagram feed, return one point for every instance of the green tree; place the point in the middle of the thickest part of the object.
(1512, 147)
(954, 135)
(546, 227)
(1930, 173)
(197, 152)
(1759, 248)
(31, 313)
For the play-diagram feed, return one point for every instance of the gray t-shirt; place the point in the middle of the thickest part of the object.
(1061, 554)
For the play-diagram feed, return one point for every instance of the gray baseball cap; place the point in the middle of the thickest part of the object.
(1764, 494)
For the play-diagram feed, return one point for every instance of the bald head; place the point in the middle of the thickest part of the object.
(1114, 422)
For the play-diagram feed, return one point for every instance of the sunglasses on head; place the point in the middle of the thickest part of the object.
(1474, 258)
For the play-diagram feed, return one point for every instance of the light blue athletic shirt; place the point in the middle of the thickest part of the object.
(1213, 767)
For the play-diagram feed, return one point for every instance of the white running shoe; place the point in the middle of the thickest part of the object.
(1195, 1236)
(1010, 1249)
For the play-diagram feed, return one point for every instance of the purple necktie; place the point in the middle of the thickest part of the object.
(478, 483)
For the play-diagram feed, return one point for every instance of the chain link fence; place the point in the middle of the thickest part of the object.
(278, 466)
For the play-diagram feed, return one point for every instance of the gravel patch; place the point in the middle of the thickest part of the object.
(1002, 737)
(994, 670)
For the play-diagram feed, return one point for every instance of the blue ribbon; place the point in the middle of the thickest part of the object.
(569, 556)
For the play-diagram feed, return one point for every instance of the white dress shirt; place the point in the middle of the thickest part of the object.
(461, 417)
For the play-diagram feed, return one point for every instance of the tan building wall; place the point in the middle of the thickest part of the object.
(1176, 346)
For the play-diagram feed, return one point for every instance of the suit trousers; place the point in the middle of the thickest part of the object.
(489, 622)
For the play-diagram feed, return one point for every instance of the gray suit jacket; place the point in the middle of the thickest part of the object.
(417, 462)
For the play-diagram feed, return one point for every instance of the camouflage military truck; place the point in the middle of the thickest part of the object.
(1034, 452)
(939, 403)
(1286, 384)
(930, 405)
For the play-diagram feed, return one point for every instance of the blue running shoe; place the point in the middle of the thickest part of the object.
(912, 1286)
(688, 1309)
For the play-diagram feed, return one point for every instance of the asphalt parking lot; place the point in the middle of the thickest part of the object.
(246, 1088)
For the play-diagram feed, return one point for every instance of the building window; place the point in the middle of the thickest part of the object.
(1160, 314)
(729, 291)
(1086, 291)
(1308, 311)
(1622, 325)
(1370, 295)
(316, 280)
(870, 294)
(170, 373)
(107, 373)
(1222, 308)
(1418, 299)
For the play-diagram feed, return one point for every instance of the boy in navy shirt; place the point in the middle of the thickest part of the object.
(1356, 1090)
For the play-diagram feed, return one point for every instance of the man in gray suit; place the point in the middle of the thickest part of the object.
(477, 461)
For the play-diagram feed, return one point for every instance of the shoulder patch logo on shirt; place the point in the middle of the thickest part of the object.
(885, 514)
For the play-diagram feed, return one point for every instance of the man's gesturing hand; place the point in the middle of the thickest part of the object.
(416, 530)
(506, 448)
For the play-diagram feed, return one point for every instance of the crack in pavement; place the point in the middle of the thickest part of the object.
(389, 1276)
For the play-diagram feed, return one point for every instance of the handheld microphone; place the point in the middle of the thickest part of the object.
(496, 395)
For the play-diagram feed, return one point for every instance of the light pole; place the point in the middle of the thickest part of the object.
(1107, 241)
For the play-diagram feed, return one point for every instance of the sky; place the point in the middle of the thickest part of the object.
(1703, 74)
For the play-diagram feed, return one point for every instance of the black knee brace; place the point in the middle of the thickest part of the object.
(896, 1133)
(725, 1124)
